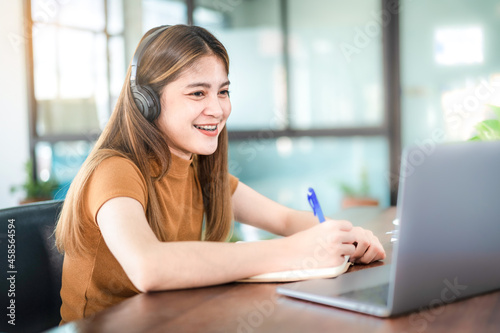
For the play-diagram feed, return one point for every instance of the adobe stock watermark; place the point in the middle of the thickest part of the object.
(421, 319)
(249, 148)
(226, 6)
(11, 272)
(45, 11)
(416, 157)
(264, 309)
(458, 109)
(456, 117)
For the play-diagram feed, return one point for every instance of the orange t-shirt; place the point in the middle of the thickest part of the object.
(94, 281)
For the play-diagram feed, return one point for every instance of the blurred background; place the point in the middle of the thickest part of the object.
(325, 93)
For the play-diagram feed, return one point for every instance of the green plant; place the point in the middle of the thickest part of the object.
(489, 129)
(363, 191)
(35, 189)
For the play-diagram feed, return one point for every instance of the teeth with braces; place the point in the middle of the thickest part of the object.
(207, 128)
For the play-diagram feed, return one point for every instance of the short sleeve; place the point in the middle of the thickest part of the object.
(233, 183)
(115, 177)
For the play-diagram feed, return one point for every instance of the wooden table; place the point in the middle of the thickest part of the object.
(247, 308)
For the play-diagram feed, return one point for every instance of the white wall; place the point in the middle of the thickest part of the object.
(14, 140)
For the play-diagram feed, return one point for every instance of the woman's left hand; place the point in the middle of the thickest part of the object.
(368, 247)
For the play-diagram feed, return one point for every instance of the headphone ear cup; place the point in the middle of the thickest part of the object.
(147, 102)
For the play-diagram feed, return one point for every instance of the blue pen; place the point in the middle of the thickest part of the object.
(313, 201)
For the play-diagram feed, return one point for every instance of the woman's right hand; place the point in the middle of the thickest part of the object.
(324, 245)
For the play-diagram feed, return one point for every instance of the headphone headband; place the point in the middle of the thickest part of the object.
(140, 50)
(145, 98)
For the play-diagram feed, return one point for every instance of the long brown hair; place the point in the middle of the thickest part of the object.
(130, 135)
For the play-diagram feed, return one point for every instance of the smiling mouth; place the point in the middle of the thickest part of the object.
(210, 128)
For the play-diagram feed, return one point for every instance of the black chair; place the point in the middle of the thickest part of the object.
(36, 268)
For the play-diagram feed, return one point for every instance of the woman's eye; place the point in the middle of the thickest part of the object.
(225, 93)
(198, 94)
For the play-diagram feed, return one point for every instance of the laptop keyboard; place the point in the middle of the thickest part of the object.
(375, 295)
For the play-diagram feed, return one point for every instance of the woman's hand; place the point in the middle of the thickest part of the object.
(323, 245)
(368, 247)
(326, 244)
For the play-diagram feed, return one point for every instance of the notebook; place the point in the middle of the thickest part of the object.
(300, 274)
(447, 246)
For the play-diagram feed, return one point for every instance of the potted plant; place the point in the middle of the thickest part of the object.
(353, 197)
(489, 129)
(35, 190)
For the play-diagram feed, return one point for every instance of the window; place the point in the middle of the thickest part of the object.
(81, 50)
(303, 113)
(307, 87)
(335, 64)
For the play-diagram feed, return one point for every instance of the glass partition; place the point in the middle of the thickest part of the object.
(335, 50)
(299, 71)
(163, 12)
(450, 68)
(284, 168)
(251, 32)
(61, 161)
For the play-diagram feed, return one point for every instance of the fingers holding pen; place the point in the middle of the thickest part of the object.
(339, 237)
(368, 247)
(344, 239)
(339, 232)
(332, 240)
(327, 242)
(360, 244)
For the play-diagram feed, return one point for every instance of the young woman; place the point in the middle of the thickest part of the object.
(133, 218)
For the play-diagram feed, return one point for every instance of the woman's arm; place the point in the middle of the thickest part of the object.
(154, 265)
(252, 208)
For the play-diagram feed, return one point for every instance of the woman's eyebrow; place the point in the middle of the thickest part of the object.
(206, 85)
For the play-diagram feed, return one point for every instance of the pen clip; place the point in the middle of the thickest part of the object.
(313, 201)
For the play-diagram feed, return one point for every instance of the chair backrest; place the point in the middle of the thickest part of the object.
(34, 268)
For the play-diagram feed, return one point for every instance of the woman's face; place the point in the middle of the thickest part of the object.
(195, 107)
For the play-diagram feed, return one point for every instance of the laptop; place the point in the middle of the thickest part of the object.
(447, 246)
